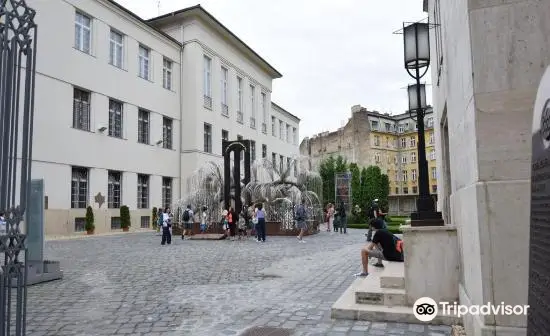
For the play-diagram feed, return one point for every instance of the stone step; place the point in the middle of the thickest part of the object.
(393, 275)
(347, 308)
(369, 291)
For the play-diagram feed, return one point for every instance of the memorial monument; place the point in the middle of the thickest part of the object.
(235, 147)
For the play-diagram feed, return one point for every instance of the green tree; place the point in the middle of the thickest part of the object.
(377, 186)
(89, 226)
(364, 197)
(326, 170)
(355, 184)
(124, 217)
(340, 165)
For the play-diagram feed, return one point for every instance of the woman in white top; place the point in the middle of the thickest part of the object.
(203, 220)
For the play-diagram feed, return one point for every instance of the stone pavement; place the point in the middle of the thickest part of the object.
(131, 285)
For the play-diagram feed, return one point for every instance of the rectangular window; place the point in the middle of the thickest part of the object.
(142, 191)
(432, 138)
(403, 143)
(377, 157)
(79, 188)
(252, 107)
(83, 32)
(166, 192)
(413, 174)
(81, 110)
(224, 88)
(114, 189)
(207, 138)
(253, 150)
(387, 127)
(281, 163)
(432, 154)
(273, 122)
(143, 127)
(144, 54)
(413, 142)
(116, 49)
(434, 173)
(145, 222)
(374, 125)
(264, 113)
(167, 133)
(240, 94)
(281, 130)
(401, 129)
(115, 118)
(274, 159)
(288, 133)
(413, 157)
(403, 159)
(264, 151)
(405, 176)
(80, 224)
(405, 190)
(115, 223)
(225, 135)
(239, 137)
(376, 140)
(415, 190)
(167, 73)
(397, 190)
(207, 77)
(434, 188)
(430, 122)
(295, 134)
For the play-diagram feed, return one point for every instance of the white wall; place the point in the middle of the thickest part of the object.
(61, 67)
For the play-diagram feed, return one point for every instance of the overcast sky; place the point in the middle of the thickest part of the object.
(332, 53)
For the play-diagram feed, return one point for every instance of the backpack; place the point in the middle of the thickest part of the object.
(399, 248)
(186, 216)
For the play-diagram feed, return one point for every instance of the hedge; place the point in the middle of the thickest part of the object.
(392, 228)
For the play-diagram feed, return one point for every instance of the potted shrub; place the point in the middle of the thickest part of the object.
(90, 227)
(154, 218)
(125, 218)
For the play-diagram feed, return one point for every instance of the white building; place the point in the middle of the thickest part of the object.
(129, 108)
(487, 60)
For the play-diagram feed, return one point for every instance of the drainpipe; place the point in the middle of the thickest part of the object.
(181, 115)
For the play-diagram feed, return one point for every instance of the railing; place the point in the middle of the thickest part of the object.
(239, 117)
(225, 110)
(264, 128)
(208, 102)
(252, 122)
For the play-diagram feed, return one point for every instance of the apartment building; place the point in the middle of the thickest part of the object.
(387, 141)
(116, 121)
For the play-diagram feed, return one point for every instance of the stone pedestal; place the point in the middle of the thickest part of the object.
(431, 263)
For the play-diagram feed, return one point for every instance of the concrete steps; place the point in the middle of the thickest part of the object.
(381, 297)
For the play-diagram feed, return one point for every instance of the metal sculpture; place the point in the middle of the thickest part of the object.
(235, 147)
(17, 81)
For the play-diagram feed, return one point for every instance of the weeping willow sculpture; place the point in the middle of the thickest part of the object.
(278, 189)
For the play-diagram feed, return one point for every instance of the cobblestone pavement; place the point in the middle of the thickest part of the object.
(131, 285)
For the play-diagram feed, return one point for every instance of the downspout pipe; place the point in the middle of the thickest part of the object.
(181, 116)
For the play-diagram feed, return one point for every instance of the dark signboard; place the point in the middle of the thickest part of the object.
(538, 318)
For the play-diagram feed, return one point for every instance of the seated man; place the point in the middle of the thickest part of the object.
(384, 246)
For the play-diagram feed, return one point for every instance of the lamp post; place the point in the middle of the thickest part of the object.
(417, 61)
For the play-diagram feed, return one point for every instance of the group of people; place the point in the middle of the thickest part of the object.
(250, 222)
(336, 218)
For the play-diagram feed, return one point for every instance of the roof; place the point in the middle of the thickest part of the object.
(137, 17)
(283, 110)
(208, 16)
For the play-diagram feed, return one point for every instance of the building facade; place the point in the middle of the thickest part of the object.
(485, 80)
(126, 110)
(391, 144)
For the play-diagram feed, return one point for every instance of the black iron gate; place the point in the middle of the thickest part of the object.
(17, 74)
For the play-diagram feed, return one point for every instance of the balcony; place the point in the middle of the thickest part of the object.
(264, 128)
(239, 117)
(225, 110)
(208, 102)
(252, 122)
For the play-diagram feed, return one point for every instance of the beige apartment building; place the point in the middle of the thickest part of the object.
(387, 141)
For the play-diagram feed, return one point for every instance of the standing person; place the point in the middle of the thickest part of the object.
(373, 214)
(260, 217)
(203, 220)
(343, 225)
(166, 228)
(3, 224)
(232, 219)
(330, 214)
(187, 222)
(301, 220)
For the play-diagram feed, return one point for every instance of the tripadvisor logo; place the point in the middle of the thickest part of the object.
(545, 121)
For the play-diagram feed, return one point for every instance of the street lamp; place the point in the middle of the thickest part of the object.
(416, 41)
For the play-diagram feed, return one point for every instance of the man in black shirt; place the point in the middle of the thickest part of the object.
(384, 246)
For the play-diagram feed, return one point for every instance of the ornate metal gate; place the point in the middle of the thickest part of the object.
(17, 72)
(343, 190)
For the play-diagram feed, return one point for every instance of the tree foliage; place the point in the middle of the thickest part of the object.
(89, 225)
(328, 169)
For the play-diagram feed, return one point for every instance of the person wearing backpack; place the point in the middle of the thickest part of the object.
(384, 246)
(187, 222)
(301, 220)
(374, 213)
(343, 225)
